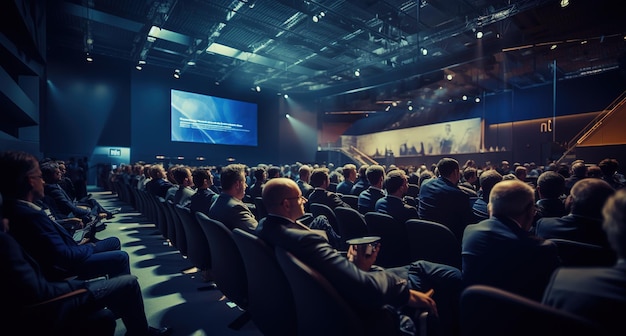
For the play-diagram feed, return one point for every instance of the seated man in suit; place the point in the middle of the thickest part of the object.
(597, 294)
(228, 208)
(367, 199)
(361, 183)
(204, 197)
(260, 176)
(550, 188)
(158, 185)
(320, 180)
(584, 222)
(23, 285)
(500, 252)
(396, 183)
(487, 180)
(304, 177)
(364, 286)
(349, 178)
(441, 200)
(185, 191)
(48, 242)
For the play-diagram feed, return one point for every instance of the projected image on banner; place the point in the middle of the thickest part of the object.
(207, 119)
(461, 136)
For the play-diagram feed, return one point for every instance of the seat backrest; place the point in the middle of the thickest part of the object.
(574, 253)
(351, 223)
(317, 209)
(488, 311)
(261, 212)
(227, 265)
(181, 239)
(394, 249)
(271, 303)
(413, 190)
(198, 251)
(167, 215)
(433, 242)
(320, 309)
(352, 200)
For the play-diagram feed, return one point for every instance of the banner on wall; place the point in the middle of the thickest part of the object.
(454, 137)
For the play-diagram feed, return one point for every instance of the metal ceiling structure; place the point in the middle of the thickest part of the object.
(314, 47)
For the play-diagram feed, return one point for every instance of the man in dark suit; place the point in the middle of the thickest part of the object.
(182, 174)
(304, 178)
(584, 222)
(320, 181)
(23, 285)
(48, 242)
(442, 201)
(500, 252)
(550, 188)
(367, 199)
(349, 178)
(158, 185)
(361, 183)
(204, 197)
(364, 286)
(396, 183)
(229, 208)
(260, 176)
(487, 180)
(579, 172)
(597, 294)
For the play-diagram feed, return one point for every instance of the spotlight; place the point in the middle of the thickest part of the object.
(322, 14)
(464, 97)
(552, 47)
(479, 34)
(357, 72)
(89, 58)
(410, 107)
(286, 96)
(177, 73)
(191, 63)
(142, 62)
(138, 67)
(449, 77)
(388, 108)
(258, 88)
(477, 99)
(287, 115)
(315, 18)
(424, 51)
(394, 104)
(564, 3)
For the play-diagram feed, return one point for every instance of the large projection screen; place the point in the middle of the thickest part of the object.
(213, 120)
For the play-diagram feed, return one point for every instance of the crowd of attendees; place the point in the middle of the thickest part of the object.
(503, 217)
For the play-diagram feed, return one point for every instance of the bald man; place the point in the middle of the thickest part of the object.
(500, 251)
(366, 287)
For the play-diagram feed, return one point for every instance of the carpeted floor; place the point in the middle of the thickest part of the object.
(171, 298)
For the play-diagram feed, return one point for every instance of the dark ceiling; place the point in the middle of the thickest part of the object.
(313, 47)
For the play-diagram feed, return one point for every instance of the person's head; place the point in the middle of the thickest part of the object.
(396, 183)
(182, 175)
(594, 171)
(320, 178)
(202, 178)
(608, 167)
(579, 169)
(304, 172)
(260, 176)
(469, 174)
(349, 172)
(449, 168)
(504, 165)
(614, 224)
(50, 172)
(363, 171)
(233, 178)
(157, 171)
(375, 175)
(282, 196)
(170, 174)
(514, 199)
(22, 176)
(550, 184)
(520, 173)
(62, 167)
(488, 180)
(273, 172)
(588, 197)
(425, 176)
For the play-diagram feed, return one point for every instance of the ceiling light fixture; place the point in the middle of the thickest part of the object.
(552, 47)
(357, 72)
(479, 34)
(142, 62)
(286, 96)
(424, 51)
(464, 97)
(258, 88)
(477, 99)
(449, 77)
(192, 63)
(315, 18)
(138, 67)
(89, 58)
(564, 3)
(177, 73)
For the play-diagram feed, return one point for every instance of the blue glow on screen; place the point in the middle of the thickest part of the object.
(213, 120)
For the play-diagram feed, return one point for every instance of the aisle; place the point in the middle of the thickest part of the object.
(171, 298)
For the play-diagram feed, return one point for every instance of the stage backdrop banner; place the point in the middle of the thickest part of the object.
(454, 137)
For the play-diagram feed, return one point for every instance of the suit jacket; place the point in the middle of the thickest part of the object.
(363, 290)
(325, 197)
(597, 294)
(443, 202)
(345, 187)
(201, 201)
(396, 208)
(497, 252)
(360, 186)
(368, 198)
(61, 202)
(158, 187)
(550, 207)
(573, 227)
(233, 213)
(480, 210)
(305, 188)
(50, 244)
(183, 196)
